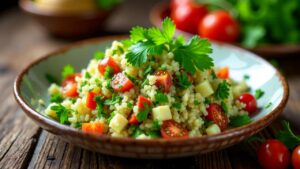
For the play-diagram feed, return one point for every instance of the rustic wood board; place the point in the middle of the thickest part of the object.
(24, 145)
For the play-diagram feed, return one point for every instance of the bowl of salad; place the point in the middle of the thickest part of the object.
(268, 28)
(151, 95)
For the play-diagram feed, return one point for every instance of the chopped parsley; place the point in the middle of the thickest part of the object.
(207, 101)
(143, 114)
(67, 71)
(99, 55)
(161, 98)
(118, 51)
(78, 125)
(56, 98)
(259, 93)
(148, 70)
(129, 105)
(131, 78)
(108, 85)
(237, 121)
(183, 80)
(146, 82)
(290, 139)
(100, 107)
(115, 99)
(136, 131)
(108, 72)
(224, 107)
(246, 77)
(268, 105)
(222, 91)
(177, 105)
(213, 74)
(154, 131)
(61, 112)
(112, 114)
(196, 102)
(87, 75)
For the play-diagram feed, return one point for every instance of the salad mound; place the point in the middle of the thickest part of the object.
(151, 85)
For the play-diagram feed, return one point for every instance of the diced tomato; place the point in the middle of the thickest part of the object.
(121, 83)
(171, 129)
(164, 80)
(108, 61)
(69, 85)
(94, 127)
(217, 115)
(141, 101)
(90, 100)
(250, 102)
(133, 120)
(223, 73)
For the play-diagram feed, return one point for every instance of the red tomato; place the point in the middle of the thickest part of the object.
(273, 154)
(164, 80)
(133, 120)
(69, 85)
(121, 83)
(141, 101)
(188, 16)
(176, 3)
(90, 100)
(217, 115)
(223, 73)
(296, 158)
(250, 102)
(108, 61)
(171, 129)
(95, 127)
(219, 26)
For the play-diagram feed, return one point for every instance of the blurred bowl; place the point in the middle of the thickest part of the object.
(162, 10)
(65, 24)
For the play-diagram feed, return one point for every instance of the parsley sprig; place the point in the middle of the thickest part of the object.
(222, 91)
(290, 139)
(237, 121)
(67, 71)
(143, 113)
(183, 80)
(61, 112)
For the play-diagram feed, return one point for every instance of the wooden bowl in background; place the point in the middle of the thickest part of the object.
(65, 24)
(162, 10)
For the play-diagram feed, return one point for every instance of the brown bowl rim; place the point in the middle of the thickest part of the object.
(29, 7)
(59, 128)
(268, 49)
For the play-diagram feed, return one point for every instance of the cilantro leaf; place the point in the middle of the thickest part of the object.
(143, 114)
(112, 114)
(237, 121)
(194, 55)
(136, 131)
(166, 35)
(161, 98)
(99, 55)
(168, 28)
(224, 107)
(108, 72)
(115, 99)
(138, 34)
(259, 93)
(56, 98)
(183, 80)
(67, 71)
(222, 91)
(287, 136)
(61, 112)
(100, 107)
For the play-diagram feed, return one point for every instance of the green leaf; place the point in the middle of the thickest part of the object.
(142, 115)
(115, 99)
(138, 34)
(100, 107)
(108, 72)
(268, 105)
(290, 139)
(259, 93)
(157, 36)
(99, 55)
(161, 98)
(136, 131)
(56, 98)
(148, 70)
(194, 55)
(61, 112)
(112, 114)
(222, 91)
(246, 77)
(177, 105)
(183, 80)
(168, 28)
(67, 71)
(107, 4)
(237, 121)
(224, 107)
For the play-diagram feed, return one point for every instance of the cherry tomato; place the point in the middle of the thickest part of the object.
(69, 85)
(94, 127)
(90, 100)
(250, 102)
(219, 26)
(187, 17)
(273, 154)
(141, 101)
(164, 80)
(133, 120)
(223, 73)
(171, 129)
(108, 61)
(176, 3)
(296, 158)
(217, 115)
(121, 83)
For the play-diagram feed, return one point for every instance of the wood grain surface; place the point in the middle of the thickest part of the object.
(24, 145)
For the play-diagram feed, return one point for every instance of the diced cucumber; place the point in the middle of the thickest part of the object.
(213, 129)
(204, 89)
(118, 123)
(161, 113)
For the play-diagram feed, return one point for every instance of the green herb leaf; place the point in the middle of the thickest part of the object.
(107, 4)
(67, 71)
(161, 98)
(56, 98)
(115, 99)
(99, 55)
(246, 77)
(112, 114)
(61, 112)
(100, 107)
(222, 91)
(290, 139)
(183, 80)
(237, 121)
(108, 72)
(259, 93)
(136, 131)
(133, 79)
(268, 105)
(224, 107)
(207, 101)
(143, 114)
(138, 34)
(177, 105)
(148, 70)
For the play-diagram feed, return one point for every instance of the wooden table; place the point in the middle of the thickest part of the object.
(24, 145)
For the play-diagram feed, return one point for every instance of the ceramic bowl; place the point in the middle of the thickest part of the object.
(162, 10)
(67, 25)
(31, 85)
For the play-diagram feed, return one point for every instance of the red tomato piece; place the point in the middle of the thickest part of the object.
(217, 115)
(121, 83)
(177, 3)
(141, 101)
(273, 154)
(133, 120)
(171, 129)
(164, 80)
(219, 26)
(296, 158)
(94, 127)
(223, 73)
(250, 102)
(69, 85)
(108, 61)
(187, 17)
(90, 100)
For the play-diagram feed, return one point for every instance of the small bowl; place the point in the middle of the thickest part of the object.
(65, 24)
(162, 10)
(31, 85)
